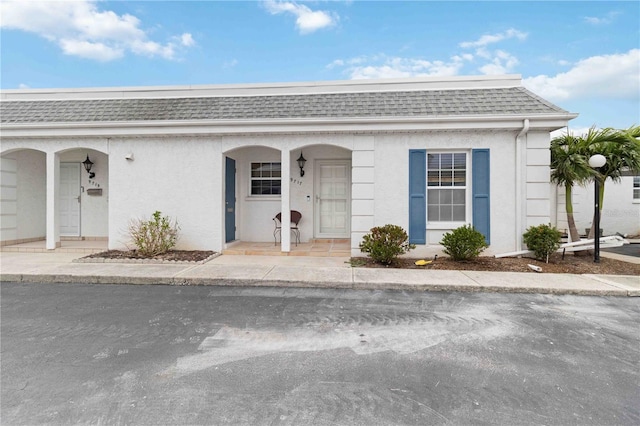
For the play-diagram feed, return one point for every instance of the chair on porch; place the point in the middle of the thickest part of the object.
(296, 216)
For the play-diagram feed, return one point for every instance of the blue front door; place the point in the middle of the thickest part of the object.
(230, 200)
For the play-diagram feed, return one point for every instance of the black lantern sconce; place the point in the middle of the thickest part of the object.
(301, 161)
(87, 166)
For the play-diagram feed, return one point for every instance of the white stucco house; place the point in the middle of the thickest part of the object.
(620, 207)
(428, 154)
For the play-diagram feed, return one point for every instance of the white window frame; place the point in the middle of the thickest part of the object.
(252, 179)
(435, 225)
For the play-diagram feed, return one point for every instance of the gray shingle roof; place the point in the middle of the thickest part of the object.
(433, 103)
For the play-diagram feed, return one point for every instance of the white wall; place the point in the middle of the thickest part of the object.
(181, 177)
(392, 179)
(8, 199)
(23, 195)
(620, 213)
(31, 194)
(537, 192)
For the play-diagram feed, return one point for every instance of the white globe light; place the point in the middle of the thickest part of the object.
(597, 160)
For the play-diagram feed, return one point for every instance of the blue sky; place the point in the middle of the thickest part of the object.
(583, 56)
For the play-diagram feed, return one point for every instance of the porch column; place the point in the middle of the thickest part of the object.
(53, 189)
(218, 214)
(285, 208)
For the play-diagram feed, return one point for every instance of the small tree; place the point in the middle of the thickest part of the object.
(569, 167)
(621, 148)
(543, 240)
(153, 237)
(385, 243)
(463, 243)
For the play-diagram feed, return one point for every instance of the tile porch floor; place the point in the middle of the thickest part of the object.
(315, 248)
(66, 246)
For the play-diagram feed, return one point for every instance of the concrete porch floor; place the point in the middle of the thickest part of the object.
(315, 248)
(66, 246)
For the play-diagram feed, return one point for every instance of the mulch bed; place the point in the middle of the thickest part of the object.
(570, 265)
(170, 256)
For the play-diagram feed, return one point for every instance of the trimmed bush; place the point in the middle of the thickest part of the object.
(155, 236)
(463, 243)
(385, 243)
(543, 240)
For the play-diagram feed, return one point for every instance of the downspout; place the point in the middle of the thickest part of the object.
(521, 135)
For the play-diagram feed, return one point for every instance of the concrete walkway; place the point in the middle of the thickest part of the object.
(322, 272)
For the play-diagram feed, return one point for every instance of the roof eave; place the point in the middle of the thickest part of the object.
(305, 125)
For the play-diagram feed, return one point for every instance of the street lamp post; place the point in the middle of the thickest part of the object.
(596, 161)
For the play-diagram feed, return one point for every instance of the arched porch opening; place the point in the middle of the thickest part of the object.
(50, 201)
(23, 197)
(269, 181)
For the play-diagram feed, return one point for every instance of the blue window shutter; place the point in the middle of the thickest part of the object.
(417, 196)
(481, 187)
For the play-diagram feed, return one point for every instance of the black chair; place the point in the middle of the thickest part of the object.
(296, 216)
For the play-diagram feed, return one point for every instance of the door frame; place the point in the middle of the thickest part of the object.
(79, 167)
(316, 205)
(230, 185)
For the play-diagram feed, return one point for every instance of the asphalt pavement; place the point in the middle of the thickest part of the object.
(125, 354)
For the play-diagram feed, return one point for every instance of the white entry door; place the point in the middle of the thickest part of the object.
(333, 198)
(70, 199)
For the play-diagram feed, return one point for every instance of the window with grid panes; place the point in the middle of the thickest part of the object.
(636, 188)
(266, 179)
(446, 187)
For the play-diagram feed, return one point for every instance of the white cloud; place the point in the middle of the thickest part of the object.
(502, 63)
(79, 28)
(89, 50)
(606, 76)
(230, 64)
(494, 38)
(499, 61)
(307, 20)
(382, 66)
(24, 86)
(187, 40)
(607, 19)
(488, 61)
(575, 131)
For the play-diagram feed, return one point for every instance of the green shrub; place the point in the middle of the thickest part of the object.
(543, 240)
(463, 243)
(153, 237)
(385, 243)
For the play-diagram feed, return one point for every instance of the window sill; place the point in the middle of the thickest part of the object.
(445, 225)
(263, 198)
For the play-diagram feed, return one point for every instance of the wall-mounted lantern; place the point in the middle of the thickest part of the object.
(301, 161)
(87, 166)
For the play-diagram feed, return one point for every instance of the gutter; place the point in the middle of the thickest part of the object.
(519, 180)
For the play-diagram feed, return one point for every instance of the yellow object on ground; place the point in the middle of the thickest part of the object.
(423, 262)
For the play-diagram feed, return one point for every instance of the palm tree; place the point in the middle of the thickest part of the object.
(569, 167)
(621, 148)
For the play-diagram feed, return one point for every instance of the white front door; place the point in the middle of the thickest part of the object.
(70, 199)
(333, 198)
